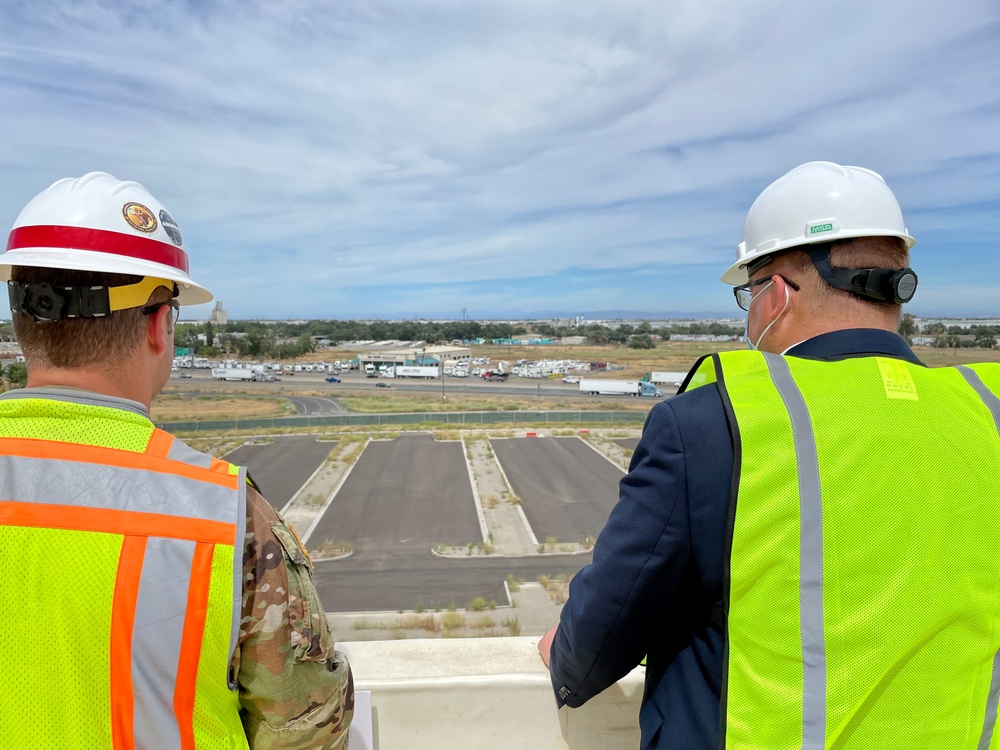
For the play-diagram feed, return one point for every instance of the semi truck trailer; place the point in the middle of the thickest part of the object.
(667, 378)
(417, 371)
(600, 387)
(233, 373)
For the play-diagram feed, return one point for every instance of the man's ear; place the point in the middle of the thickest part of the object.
(775, 297)
(159, 328)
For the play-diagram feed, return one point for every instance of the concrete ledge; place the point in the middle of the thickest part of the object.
(491, 694)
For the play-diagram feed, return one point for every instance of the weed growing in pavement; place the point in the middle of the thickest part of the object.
(483, 622)
(513, 583)
(513, 625)
(451, 620)
(417, 622)
(332, 548)
(478, 604)
(366, 625)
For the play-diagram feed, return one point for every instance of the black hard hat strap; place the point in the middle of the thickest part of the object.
(46, 302)
(875, 284)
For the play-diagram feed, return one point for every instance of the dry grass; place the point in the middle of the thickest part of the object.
(398, 403)
(172, 407)
(950, 357)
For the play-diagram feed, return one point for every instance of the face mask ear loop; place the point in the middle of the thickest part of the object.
(788, 299)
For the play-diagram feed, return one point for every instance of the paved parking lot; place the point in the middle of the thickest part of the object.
(627, 443)
(567, 489)
(281, 467)
(403, 497)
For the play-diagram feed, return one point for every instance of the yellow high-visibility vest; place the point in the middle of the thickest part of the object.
(863, 580)
(121, 576)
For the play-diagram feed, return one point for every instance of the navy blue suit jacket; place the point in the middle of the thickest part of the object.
(657, 573)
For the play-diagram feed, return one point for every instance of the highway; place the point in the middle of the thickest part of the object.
(355, 383)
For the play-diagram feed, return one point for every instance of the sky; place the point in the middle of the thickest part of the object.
(516, 158)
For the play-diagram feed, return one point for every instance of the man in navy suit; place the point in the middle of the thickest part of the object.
(656, 586)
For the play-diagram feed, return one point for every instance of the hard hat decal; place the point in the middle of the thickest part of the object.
(171, 228)
(139, 217)
(819, 228)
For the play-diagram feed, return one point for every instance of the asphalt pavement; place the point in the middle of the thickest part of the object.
(352, 585)
(282, 467)
(567, 490)
(310, 406)
(627, 443)
(402, 498)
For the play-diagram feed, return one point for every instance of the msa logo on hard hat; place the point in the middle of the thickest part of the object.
(820, 228)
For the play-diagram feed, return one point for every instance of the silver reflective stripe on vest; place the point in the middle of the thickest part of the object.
(810, 557)
(156, 639)
(241, 528)
(179, 451)
(993, 699)
(988, 397)
(31, 480)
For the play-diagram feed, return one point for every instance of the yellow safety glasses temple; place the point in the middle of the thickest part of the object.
(136, 295)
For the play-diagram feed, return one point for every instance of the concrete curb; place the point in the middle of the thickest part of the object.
(305, 484)
(480, 514)
(601, 454)
(510, 487)
(332, 559)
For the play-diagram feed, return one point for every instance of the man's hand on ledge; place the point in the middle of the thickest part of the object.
(545, 646)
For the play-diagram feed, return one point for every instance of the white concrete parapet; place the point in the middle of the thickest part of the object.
(486, 693)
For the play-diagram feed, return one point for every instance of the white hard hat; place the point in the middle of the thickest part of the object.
(99, 223)
(817, 202)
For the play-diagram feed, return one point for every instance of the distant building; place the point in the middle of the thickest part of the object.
(573, 340)
(218, 316)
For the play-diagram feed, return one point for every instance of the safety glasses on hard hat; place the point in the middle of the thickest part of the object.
(744, 296)
(150, 309)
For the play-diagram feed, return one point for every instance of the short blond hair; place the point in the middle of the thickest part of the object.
(79, 342)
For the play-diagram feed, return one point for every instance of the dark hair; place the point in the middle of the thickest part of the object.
(78, 342)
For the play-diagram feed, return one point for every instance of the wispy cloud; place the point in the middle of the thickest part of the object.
(361, 158)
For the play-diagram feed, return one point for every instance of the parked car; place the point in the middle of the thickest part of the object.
(382, 384)
(185, 375)
(332, 379)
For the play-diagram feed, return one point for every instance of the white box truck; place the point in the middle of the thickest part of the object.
(600, 387)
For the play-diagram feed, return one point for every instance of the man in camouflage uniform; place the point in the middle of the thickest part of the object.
(286, 660)
(96, 275)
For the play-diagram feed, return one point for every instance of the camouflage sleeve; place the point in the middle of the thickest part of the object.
(296, 691)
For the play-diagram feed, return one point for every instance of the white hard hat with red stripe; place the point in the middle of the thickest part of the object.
(99, 223)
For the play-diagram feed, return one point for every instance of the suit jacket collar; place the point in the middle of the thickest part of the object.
(854, 342)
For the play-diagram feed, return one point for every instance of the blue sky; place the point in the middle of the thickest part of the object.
(385, 159)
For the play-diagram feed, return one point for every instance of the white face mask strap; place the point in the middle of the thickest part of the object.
(788, 299)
